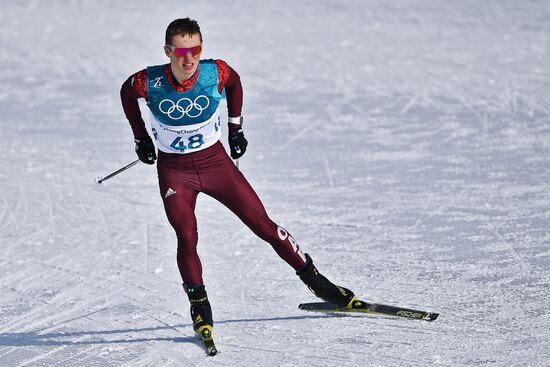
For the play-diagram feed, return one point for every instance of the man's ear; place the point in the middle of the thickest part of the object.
(167, 51)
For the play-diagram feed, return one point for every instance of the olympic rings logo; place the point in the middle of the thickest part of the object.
(177, 111)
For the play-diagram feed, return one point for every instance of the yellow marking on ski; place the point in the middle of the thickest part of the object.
(350, 304)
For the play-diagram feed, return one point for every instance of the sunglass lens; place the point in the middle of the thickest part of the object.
(182, 51)
(196, 50)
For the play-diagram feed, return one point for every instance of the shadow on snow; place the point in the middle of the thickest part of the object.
(101, 336)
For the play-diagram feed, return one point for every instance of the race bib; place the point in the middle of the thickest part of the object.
(188, 138)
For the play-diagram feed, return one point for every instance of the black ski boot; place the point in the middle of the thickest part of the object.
(201, 312)
(323, 288)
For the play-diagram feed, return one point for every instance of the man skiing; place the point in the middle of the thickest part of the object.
(183, 97)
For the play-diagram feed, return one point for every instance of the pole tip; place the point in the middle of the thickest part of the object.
(99, 180)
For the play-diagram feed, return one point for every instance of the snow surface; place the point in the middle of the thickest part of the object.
(405, 145)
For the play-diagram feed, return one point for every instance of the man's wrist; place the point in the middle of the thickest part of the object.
(143, 139)
(236, 120)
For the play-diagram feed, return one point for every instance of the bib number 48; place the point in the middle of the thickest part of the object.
(193, 142)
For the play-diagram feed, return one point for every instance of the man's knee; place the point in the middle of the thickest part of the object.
(187, 241)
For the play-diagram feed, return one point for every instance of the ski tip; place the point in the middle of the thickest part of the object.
(432, 316)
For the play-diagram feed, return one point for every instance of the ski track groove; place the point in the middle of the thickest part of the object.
(6, 217)
(520, 261)
(21, 204)
(242, 348)
(12, 216)
(33, 319)
(328, 171)
(410, 104)
(4, 351)
(57, 325)
(141, 358)
(294, 138)
(22, 292)
(59, 300)
(23, 241)
(149, 358)
(51, 215)
(6, 280)
(47, 354)
(85, 352)
(63, 214)
(147, 239)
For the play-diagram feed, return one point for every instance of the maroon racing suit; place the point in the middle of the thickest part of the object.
(211, 171)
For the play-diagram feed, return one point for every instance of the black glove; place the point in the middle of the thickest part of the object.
(237, 143)
(145, 150)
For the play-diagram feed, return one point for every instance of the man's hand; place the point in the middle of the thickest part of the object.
(237, 143)
(145, 150)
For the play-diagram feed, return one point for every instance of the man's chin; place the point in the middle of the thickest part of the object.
(188, 72)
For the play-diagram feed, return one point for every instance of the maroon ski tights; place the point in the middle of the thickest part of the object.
(183, 176)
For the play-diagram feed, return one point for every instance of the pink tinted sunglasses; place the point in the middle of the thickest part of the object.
(182, 51)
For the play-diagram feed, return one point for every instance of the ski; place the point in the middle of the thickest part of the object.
(208, 341)
(370, 308)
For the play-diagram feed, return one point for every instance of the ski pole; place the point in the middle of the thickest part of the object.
(101, 179)
(238, 150)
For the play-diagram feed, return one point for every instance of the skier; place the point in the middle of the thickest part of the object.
(183, 97)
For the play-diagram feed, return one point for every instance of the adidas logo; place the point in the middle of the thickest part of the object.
(169, 192)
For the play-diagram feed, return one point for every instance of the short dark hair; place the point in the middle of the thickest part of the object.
(182, 26)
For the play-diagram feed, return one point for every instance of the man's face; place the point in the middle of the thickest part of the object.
(184, 65)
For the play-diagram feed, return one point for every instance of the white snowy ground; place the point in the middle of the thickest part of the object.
(405, 144)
